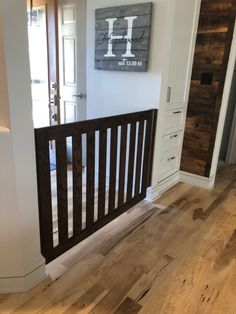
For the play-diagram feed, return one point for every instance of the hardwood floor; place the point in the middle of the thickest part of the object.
(178, 256)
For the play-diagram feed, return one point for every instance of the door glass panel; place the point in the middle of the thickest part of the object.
(39, 66)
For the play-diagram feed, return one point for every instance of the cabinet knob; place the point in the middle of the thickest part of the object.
(170, 159)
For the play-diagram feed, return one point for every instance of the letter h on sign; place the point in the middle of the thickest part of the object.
(128, 37)
(122, 37)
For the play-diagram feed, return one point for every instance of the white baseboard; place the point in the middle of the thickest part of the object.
(199, 181)
(154, 193)
(23, 284)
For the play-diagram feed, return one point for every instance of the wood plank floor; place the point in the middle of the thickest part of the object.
(178, 256)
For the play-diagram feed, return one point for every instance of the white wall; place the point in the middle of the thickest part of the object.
(111, 92)
(4, 114)
(21, 263)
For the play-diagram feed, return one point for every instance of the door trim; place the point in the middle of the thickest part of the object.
(36, 3)
(52, 48)
(231, 153)
(224, 105)
(53, 53)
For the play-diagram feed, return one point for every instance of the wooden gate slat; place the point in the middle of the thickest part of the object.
(152, 144)
(139, 157)
(77, 183)
(102, 173)
(113, 166)
(62, 187)
(90, 189)
(146, 159)
(123, 145)
(44, 193)
(131, 161)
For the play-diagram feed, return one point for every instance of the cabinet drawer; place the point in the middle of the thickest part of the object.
(174, 105)
(171, 142)
(169, 164)
(174, 121)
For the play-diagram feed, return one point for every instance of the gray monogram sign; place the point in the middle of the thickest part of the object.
(122, 38)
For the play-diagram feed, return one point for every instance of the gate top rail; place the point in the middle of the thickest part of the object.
(69, 129)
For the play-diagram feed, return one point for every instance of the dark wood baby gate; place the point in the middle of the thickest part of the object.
(124, 149)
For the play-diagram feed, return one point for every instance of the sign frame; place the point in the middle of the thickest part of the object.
(122, 37)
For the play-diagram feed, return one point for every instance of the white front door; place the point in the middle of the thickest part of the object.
(72, 59)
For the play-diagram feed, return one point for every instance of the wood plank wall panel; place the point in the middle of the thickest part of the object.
(214, 38)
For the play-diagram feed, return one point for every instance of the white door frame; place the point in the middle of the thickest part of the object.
(224, 106)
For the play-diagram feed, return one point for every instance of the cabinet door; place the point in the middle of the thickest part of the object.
(182, 37)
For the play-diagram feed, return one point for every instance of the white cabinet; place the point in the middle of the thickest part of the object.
(169, 163)
(170, 142)
(174, 120)
(174, 94)
(180, 48)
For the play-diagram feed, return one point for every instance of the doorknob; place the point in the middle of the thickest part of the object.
(80, 95)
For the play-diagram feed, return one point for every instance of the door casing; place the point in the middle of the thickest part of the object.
(53, 56)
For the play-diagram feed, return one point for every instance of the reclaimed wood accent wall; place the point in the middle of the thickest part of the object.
(214, 38)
